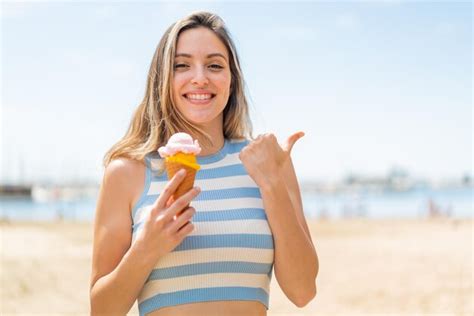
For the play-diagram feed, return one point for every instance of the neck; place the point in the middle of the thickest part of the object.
(217, 144)
(217, 137)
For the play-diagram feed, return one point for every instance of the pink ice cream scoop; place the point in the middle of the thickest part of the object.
(180, 142)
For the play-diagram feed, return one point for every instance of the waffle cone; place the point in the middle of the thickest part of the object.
(188, 182)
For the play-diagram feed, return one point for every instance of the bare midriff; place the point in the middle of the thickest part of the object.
(217, 308)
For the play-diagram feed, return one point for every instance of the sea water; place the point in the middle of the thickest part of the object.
(456, 203)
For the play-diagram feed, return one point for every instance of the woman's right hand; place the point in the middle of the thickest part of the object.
(163, 229)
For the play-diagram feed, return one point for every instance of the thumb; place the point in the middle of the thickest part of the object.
(290, 142)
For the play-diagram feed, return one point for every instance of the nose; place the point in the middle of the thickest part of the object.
(199, 77)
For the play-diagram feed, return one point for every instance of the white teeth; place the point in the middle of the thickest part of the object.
(198, 96)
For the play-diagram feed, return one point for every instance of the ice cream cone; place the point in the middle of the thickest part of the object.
(180, 153)
(188, 182)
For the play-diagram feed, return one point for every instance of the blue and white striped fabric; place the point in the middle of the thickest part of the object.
(230, 253)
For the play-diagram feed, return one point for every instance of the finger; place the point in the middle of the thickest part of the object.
(290, 142)
(169, 189)
(182, 219)
(168, 203)
(178, 205)
(185, 230)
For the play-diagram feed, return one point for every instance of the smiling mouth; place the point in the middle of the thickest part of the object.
(199, 97)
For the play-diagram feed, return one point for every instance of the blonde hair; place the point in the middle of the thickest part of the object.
(156, 118)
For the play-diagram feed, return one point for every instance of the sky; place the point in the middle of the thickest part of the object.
(375, 85)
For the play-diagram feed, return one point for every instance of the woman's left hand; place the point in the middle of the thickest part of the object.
(264, 157)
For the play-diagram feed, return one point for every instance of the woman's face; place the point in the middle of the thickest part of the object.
(201, 84)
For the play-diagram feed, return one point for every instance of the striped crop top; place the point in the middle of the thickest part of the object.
(229, 255)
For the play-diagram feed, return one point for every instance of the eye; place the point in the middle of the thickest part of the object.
(176, 66)
(216, 66)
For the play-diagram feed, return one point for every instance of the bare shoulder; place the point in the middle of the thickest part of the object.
(122, 168)
(122, 182)
(126, 178)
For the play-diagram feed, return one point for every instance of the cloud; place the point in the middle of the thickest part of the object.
(445, 28)
(105, 12)
(296, 32)
(116, 67)
(390, 2)
(171, 11)
(347, 21)
(11, 10)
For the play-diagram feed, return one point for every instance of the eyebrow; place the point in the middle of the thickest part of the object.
(208, 56)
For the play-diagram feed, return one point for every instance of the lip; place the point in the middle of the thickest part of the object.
(199, 92)
(198, 101)
(201, 102)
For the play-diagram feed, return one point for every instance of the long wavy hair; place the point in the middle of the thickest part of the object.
(157, 118)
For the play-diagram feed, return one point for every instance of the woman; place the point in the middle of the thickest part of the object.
(217, 256)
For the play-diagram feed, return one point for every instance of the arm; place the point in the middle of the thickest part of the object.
(296, 262)
(293, 188)
(118, 270)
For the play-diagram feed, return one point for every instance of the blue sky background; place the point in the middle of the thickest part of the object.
(373, 84)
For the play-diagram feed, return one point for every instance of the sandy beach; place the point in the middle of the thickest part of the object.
(375, 267)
